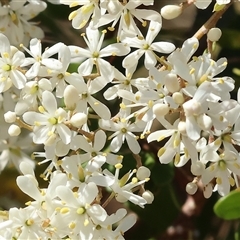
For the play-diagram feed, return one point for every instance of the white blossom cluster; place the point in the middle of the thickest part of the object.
(42, 103)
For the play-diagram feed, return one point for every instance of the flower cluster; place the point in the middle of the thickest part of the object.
(58, 107)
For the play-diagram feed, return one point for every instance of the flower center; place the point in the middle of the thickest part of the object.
(53, 120)
(6, 67)
(60, 76)
(81, 210)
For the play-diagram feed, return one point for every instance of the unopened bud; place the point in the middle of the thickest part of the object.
(192, 108)
(14, 130)
(205, 122)
(182, 127)
(171, 82)
(214, 34)
(78, 119)
(10, 117)
(160, 109)
(197, 168)
(191, 188)
(143, 172)
(171, 11)
(148, 196)
(178, 98)
(71, 97)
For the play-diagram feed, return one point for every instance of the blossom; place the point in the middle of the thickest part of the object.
(49, 122)
(122, 129)
(15, 18)
(221, 167)
(11, 59)
(147, 47)
(124, 13)
(81, 16)
(40, 59)
(123, 188)
(85, 97)
(77, 216)
(95, 54)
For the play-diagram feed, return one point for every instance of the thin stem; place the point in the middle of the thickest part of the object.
(211, 22)
(138, 160)
(109, 199)
(23, 124)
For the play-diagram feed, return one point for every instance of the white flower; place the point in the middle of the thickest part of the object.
(77, 216)
(31, 94)
(49, 123)
(122, 188)
(147, 47)
(95, 54)
(221, 167)
(81, 16)
(15, 18)
(38, 58)
(59, 77)
(122, 129)
(124, 13)
(93, 157)
(85, 92)
(11, 59)
(126, 82)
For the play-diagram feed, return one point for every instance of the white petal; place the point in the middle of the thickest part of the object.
(67, 195)
(116, 143)
(99, 108)
(99, 140)
(64, 133)
(133, 144)
(29, 186)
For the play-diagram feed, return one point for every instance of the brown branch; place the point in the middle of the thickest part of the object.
(211, 22)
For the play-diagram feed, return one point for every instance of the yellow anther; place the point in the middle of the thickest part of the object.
(134, 180)
(72, 225)
(118, 166)
(41, 109)
(219, 181)
(177, 158)
(161, 151)
(73, 4)
(72, 15)
(161, 138)
(64, 210)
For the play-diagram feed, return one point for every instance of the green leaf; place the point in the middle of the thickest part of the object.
(228, 207)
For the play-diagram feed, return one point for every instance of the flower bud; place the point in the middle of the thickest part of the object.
(143, 172)
(214, 34)
(191, 188)
(148, 196)
(205, 122)
(178, 98)
(197, 168)
(160, 109)
(171, 82)
(71, 97)
(192, 108)
(78, 119)
(14, 130)
(10, 117)
(182, 127)
(171, 11)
